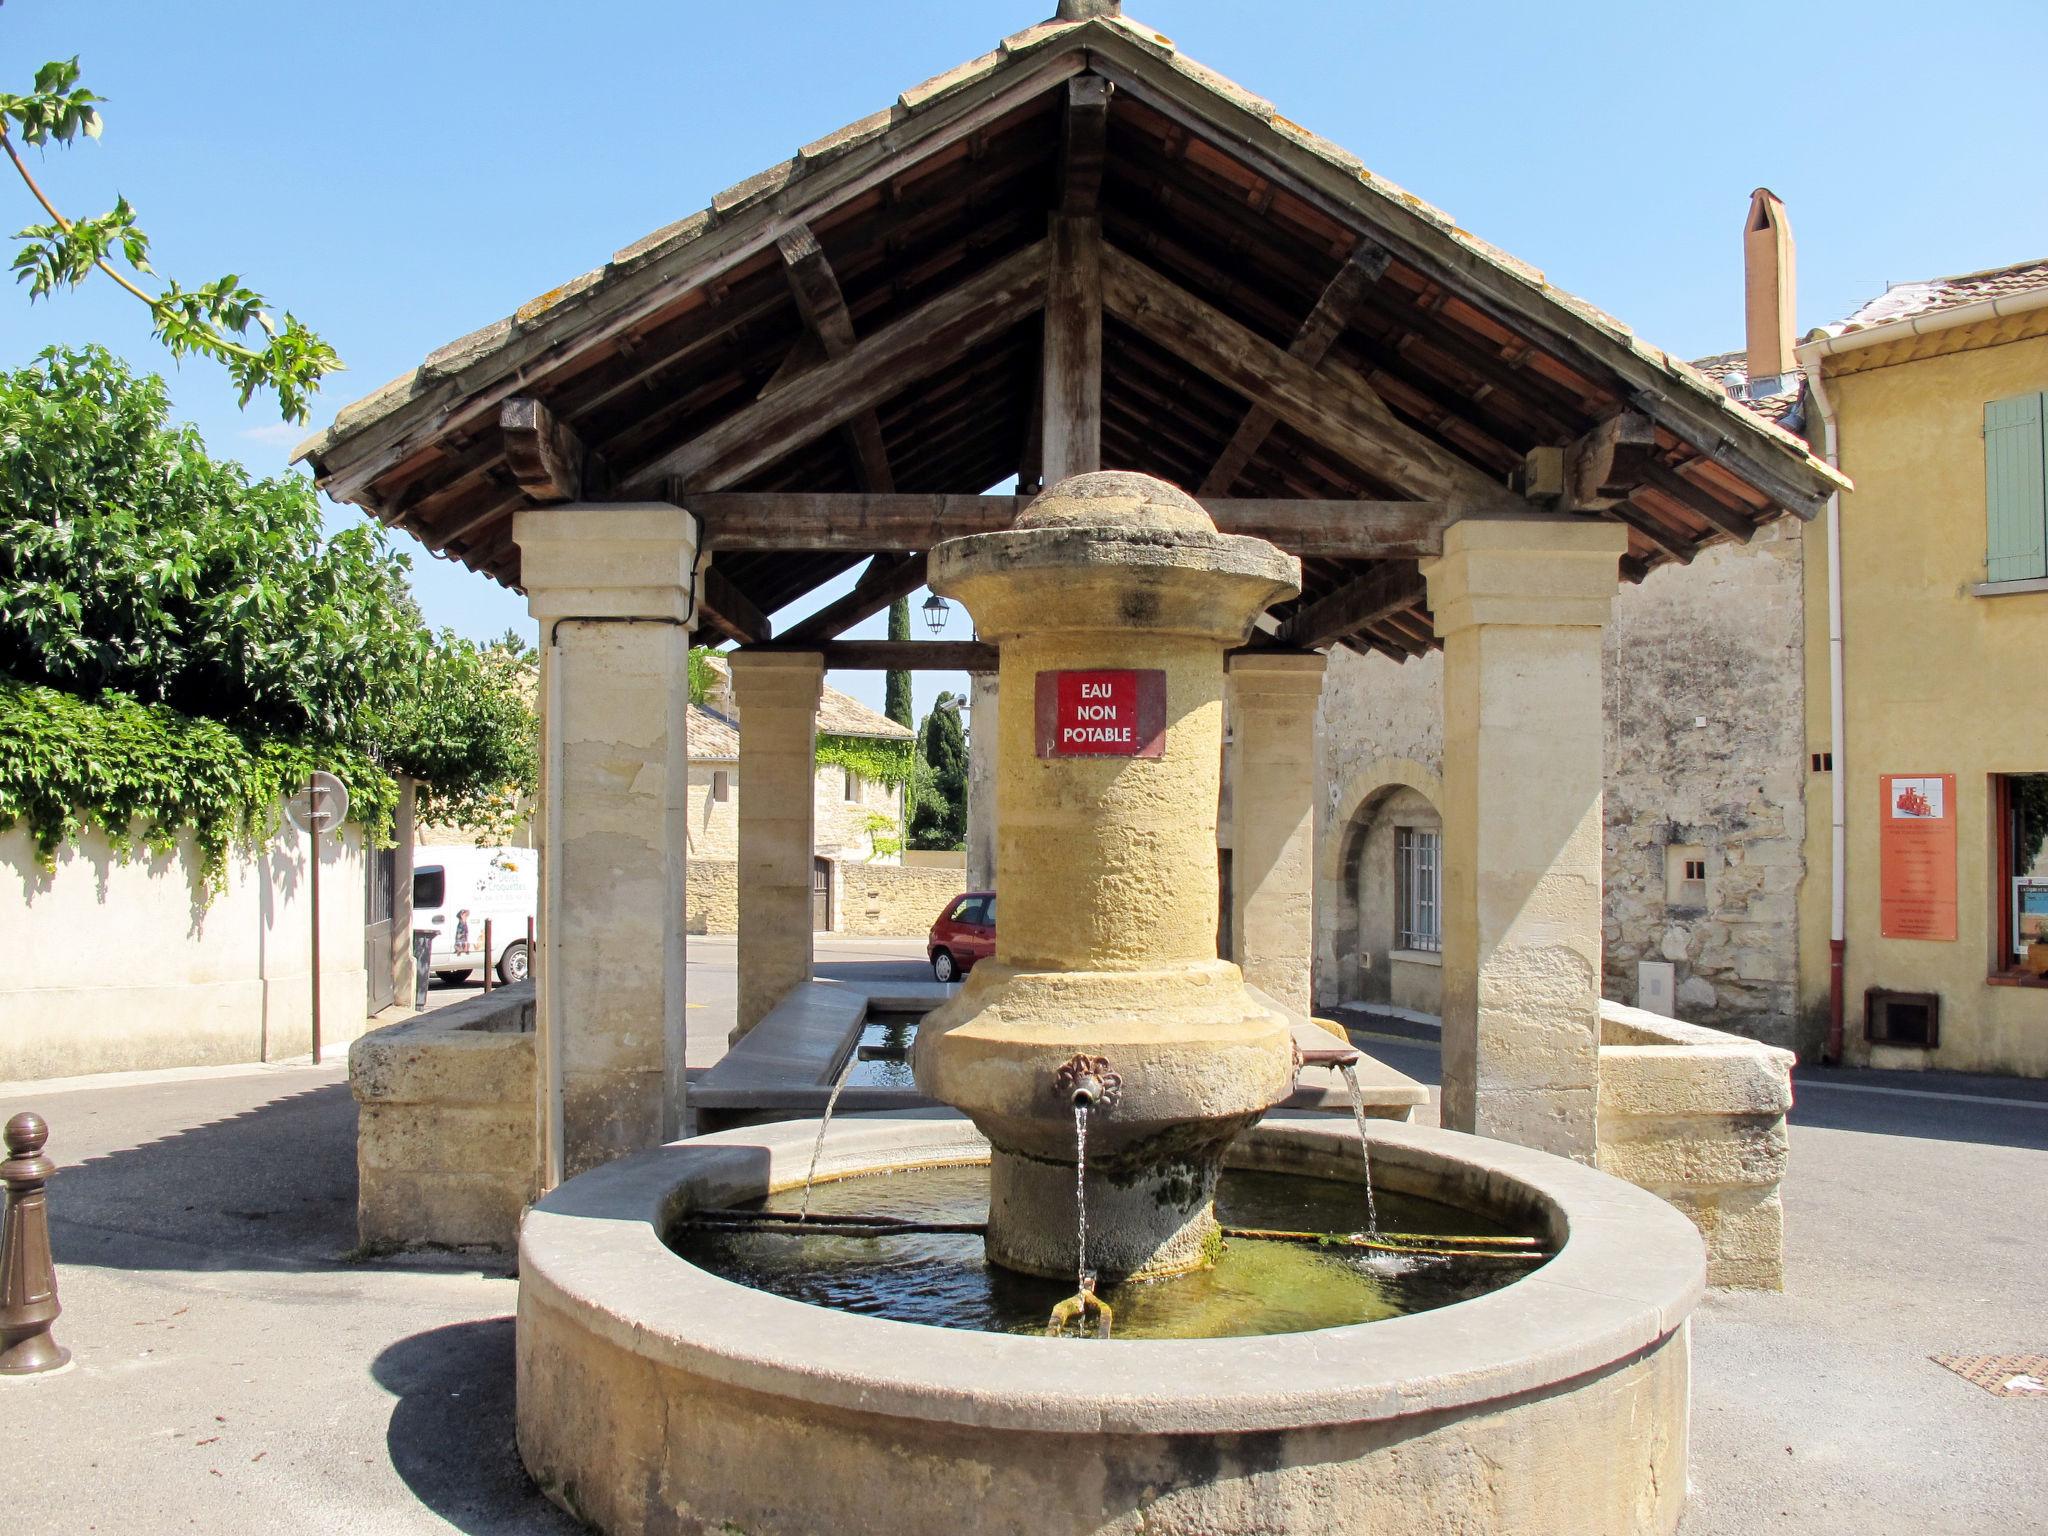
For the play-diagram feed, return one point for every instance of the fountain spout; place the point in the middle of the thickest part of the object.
(1339, 1057)
(1088, 1082)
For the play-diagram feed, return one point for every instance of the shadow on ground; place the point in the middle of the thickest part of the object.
(272, 1187)
(451, 1436)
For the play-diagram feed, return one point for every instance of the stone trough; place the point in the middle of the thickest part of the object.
(654, 1396)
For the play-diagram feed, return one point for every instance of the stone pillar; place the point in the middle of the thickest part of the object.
(981, 782)
(1272, 774)
(610, 586)
(777, 695)
(1521, 606)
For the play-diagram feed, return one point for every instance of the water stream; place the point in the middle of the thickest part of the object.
(1372, 1214)
(1081, 1270)
(818, 1146)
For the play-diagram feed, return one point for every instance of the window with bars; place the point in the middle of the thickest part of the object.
(1417, 859)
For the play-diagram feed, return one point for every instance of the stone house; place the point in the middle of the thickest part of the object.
(1720, 753)
(859, 881)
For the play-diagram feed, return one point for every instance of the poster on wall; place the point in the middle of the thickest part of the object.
(1916, 856)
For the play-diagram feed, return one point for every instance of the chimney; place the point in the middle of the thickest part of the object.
(1767, 285)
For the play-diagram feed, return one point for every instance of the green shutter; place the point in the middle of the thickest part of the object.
(2016, 510)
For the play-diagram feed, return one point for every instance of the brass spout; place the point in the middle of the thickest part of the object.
(1340, 1056)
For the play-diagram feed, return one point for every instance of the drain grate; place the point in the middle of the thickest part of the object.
(2001, 1375)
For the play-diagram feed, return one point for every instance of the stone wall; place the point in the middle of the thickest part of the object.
(1706, 759)
(894, 899)
(1718, 642)
(1697, 1116)
(713, 904)
(447, 1154)
(120, 963)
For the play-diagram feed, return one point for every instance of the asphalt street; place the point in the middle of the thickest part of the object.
(237, 1367)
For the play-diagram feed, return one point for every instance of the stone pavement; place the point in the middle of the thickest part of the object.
(235, 1368)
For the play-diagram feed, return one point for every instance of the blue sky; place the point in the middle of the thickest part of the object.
(398, 174)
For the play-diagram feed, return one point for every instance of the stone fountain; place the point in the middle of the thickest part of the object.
(1112, 601)
(656, 1394)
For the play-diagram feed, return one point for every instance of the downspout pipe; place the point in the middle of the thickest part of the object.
(1810, 360)
(1812, 356)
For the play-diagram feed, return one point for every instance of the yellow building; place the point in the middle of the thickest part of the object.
(1928, 806)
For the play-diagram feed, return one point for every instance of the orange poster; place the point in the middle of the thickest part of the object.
(1916, 855)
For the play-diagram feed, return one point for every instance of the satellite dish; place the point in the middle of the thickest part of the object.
(320, 807)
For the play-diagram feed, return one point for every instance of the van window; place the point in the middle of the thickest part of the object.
(429, 887)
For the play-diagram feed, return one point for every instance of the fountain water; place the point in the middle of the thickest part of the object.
(824, 1124)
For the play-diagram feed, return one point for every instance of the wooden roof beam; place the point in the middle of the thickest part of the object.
(1332, 405)
(1084, 146)
(901, 655)
(1349, 609)
(887, 578)
(1070, 366)
(788, 521)
(909, 348)
(728, 608)
(1311, 344)
(1697, 500)
(546, 458)
(823, 305)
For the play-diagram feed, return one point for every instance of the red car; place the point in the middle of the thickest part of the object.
(964, 933)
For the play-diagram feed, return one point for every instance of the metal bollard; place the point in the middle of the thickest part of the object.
(28, 1273)
(490, 956)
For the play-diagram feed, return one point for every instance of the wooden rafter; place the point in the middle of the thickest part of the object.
(1331, 404)
(1387, 589)
(791, 521)
(1311, 344)
(887, 578)
(726, 607)
(1084, 146)
(906, 350)
(818, 296)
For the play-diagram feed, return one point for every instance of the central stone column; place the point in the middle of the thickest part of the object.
(1112, 600)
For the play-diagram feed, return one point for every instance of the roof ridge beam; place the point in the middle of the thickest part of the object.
(1333, 310)
(1331, 404)
(908, 349)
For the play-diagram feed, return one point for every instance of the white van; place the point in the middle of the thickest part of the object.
(456, 890)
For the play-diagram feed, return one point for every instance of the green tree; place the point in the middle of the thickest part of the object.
(940, 819)
(179, 641)
(225, 320)
(897, 703)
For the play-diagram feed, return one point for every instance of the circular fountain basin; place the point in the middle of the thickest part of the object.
(656, 1396)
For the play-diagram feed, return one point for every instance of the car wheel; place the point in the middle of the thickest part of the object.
(942, 965)
(513, 966)
(451, 978)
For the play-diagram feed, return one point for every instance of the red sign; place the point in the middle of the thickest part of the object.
(1916, 856)
(1108, 713)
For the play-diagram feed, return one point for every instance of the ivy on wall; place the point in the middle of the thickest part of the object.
(880, 761)
(145, 772)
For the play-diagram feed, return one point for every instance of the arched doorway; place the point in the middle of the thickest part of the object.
(1380, 894)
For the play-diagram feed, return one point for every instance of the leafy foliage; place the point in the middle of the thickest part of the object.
(144, 772)
(940, 817)
(225, 319)
(703, 674)
(878, 761)
(182, 644)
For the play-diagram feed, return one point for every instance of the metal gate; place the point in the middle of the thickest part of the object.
(382, 874)
(821, 895)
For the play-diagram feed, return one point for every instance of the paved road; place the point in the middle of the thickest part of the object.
(237, 1369)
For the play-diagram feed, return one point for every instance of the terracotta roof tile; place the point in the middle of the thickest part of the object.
(1904, 301)
(1725, 368)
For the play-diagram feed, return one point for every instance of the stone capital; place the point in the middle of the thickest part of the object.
(630, 560)
(1277, 672)
(1527, 572)
(777, 677)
